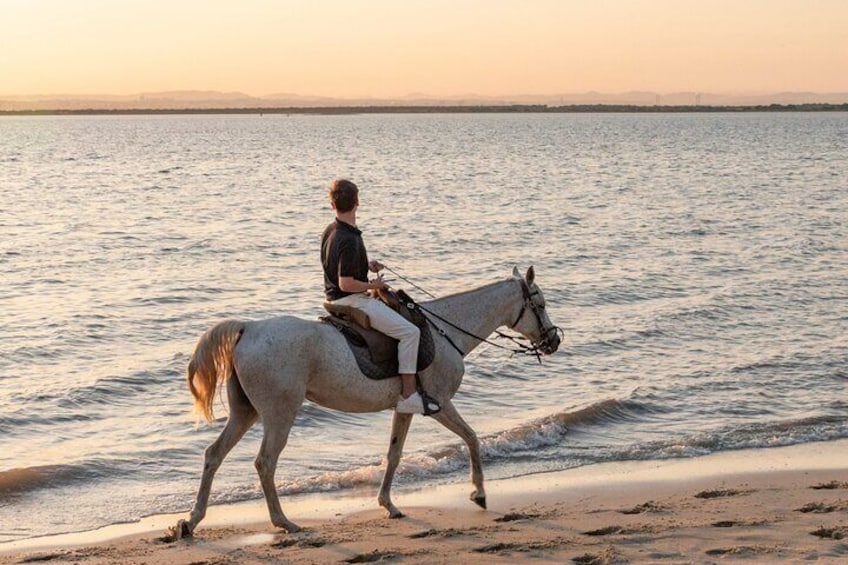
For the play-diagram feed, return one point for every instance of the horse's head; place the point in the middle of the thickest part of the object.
(533, 322)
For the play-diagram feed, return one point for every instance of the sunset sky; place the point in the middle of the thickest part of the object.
(350, 48)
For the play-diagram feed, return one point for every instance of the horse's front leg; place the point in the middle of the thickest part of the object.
(450, 418)
(400, 427)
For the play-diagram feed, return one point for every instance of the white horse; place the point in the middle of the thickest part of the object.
(271, 366)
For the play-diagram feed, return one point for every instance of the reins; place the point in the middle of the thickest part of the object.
(403, 278)
(522, 348)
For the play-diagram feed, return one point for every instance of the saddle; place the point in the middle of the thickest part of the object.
(375, 352)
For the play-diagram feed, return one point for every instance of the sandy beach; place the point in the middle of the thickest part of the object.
(781, 505)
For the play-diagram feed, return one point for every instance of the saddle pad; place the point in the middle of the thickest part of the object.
(376, 353)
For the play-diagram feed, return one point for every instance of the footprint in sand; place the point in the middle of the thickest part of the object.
(43, 557)
(734, 523)
(649, 506)
(501, 547)
(608, 531)
(821, 508)
(372, 557)
(589, 559)
(609, 556)
(513, 516)
(450, 532)
(721, 493)
(740, 551)
(832, 485)
(498, 547)
(830, 533)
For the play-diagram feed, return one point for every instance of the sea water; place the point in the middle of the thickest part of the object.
(697, 263)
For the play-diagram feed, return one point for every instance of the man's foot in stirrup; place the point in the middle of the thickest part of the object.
(417, 404)
(431, 405)
(412, 404)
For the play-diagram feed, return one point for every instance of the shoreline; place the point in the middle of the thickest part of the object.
(437, 109)
(757, 494)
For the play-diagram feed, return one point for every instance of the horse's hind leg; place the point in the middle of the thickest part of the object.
(450, 418)
(273, 442)
(242, 417)
(400, 427)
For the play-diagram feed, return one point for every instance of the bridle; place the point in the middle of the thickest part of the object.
(548, 334)
(543, 346)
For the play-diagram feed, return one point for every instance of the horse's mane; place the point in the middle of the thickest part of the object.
(462, 293)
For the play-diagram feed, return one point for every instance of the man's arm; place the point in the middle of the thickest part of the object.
(350, 284)
(348, 267)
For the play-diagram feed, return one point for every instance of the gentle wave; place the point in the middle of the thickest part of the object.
(523, 441)
(774, 434)
(22, 480)
(112, 389)
(562, 432)
(544, 432)
(23, 422)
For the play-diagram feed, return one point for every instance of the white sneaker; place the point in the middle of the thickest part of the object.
(413, 404)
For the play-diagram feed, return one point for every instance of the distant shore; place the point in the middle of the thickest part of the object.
(479, 109)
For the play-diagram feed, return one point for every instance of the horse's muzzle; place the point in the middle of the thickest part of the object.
(550, 343)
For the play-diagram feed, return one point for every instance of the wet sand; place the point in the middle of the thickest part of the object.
(782, 505)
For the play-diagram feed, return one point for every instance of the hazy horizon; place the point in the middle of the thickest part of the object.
(239, 93)
(225, 101)
(385, 49)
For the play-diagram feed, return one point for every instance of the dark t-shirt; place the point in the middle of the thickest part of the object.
(342, 254)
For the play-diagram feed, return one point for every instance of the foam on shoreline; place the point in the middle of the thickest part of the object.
(605, 480)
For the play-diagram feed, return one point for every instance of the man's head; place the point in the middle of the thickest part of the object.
(344, 195)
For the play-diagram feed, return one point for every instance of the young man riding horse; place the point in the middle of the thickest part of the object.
(346, 266)
(271, 367)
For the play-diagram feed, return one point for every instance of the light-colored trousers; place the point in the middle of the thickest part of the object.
(387, 321)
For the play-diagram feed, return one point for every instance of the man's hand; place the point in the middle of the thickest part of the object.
(350, 284)
(375, 266)
(378, 283)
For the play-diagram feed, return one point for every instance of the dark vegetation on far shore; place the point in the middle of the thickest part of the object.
(483, 109)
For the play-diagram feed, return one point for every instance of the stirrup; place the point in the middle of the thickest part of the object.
(431, 406)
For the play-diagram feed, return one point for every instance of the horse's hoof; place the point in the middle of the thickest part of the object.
(289, 527)
(177, 532)
(479, 500)
(395, 514)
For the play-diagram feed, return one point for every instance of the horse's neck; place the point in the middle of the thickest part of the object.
(479, 312)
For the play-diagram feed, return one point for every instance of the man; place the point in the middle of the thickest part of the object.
(346, 268)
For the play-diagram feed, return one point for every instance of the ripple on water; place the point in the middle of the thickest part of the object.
(697, 282)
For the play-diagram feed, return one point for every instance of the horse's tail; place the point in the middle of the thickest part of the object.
(211, 362)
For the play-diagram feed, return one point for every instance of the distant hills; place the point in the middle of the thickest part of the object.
(213, 100)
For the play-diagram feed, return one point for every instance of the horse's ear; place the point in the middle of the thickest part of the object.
(515, 273)
(531, 274)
